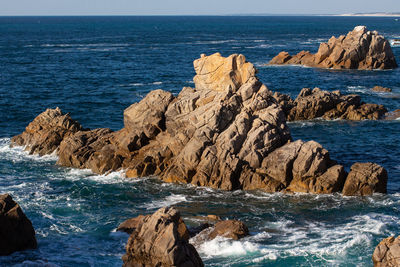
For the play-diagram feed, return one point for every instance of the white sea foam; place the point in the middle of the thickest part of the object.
(157, 83)
(18, 154)
(109, 178)
(225, 247)
(168, 201)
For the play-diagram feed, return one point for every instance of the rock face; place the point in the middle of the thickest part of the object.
(387, 253)
(44, 134)
(316, 103)
(161, 240)
(365, 179)
(359, 49)
(130, 225)
(16, 230)
(229, 132)
(230, 229)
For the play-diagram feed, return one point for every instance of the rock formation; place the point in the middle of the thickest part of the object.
(16, 230)
(161, 240)
(359, 49)
(365, 179)
(229, 132)
(387, 253)
(316, 103)
(381, 89)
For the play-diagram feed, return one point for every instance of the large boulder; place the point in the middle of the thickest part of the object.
(16, 230)
(365, 179)
(359, 49)
(44, 134)
(232, 229)
(161, 240)
(387, 253)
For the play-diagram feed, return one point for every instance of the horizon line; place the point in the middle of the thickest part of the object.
(368, 14)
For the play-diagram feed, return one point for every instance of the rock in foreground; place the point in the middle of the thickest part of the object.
(359, 49)
(161, 240)
(387, 253)
(16, 230)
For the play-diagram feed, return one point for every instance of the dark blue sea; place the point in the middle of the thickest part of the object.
(95, 67)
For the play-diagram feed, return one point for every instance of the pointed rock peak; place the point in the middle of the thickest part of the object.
(362, 29)
(219, 73)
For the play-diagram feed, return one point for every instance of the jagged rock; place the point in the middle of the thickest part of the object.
(130, 225)
(381, 89)
(365, 179)
(161, 240)
(316, 103)
(16, 230)
(44, 134)
(360, 49)
(387, 253)
(394, 115)
(233, 229)
(229, 132)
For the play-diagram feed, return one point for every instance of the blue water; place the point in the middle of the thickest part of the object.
(95, 67)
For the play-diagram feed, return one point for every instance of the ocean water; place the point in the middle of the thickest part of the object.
(95, 67)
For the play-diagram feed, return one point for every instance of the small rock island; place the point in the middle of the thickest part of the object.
(359, 49)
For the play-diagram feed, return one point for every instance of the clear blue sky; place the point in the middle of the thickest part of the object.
(189, 7)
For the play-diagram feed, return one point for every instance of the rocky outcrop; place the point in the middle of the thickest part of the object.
(359, 49)
(130, 225)
(365, 179)
(232, 229)
(229, 132)
(316, 103)
(381, 89)
(44, 134)
(16, 230)
(387, 253)
(161, 240)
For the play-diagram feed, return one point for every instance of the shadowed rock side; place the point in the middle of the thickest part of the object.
(359, 49)
(387, 253)
(316, 103)
(16, 230)
(161, 239)
(229, 132)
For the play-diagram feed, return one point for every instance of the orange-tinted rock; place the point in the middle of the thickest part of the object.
(44, 134)
(381, 89)
(359, 49)
(365, 179)
(161, 240)
(387, 253)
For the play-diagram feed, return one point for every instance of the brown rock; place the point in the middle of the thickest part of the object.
(44, 134)
(160, 241)
(387, 253)
(130, 225)
(365, 179)
(16, 230)
(381, 89)
(359, 49)
(230, 229)
(393, 115)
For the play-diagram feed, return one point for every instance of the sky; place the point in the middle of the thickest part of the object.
(190, 7)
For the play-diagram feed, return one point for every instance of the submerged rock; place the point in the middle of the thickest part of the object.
(16, 230)
(387, 253)
(161, 240)
(381, 89)
(229, 132)
(359, 49)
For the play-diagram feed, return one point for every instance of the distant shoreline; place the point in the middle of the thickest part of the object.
(369, 15)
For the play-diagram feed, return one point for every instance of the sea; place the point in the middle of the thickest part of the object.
(95, 67)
